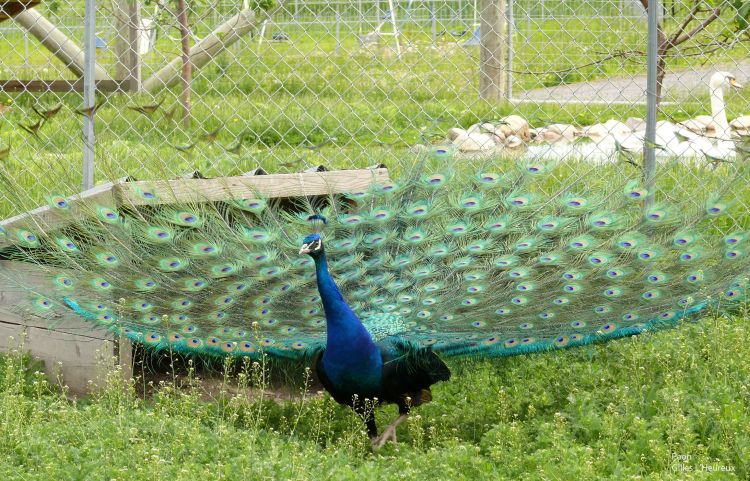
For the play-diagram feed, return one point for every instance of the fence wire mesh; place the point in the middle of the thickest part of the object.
(348, 84)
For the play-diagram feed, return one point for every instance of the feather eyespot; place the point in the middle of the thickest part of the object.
(58, 202)
(152, 338)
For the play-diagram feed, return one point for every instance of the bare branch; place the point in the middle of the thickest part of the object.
(705, 23)
(685, 23)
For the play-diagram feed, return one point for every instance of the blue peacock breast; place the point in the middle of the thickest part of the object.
(354, 371)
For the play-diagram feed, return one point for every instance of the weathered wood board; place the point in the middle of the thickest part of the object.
(75, 353)
(11, 8)
(162, 192)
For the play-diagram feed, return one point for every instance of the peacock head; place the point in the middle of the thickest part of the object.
(312, 245)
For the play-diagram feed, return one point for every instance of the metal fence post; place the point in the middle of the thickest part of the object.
(649, 153)
(433, 24)
(511, 30)
(89, 91)
(338, 28)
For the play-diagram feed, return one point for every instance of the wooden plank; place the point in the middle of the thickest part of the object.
(267, 186)
(124, 351)
(127, 16)
(14, 85)
(204, 51)
(198, 190)
(47, 218)
(69, 359)
(58, 44)
(492, 50)
(15, 279)
(11, 8)
(73, 350)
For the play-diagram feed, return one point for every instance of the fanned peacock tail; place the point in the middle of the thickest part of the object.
(497, 259)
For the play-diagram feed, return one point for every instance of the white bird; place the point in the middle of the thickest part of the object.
(675, 141)
(564, 133)
(716, 124)
(741, 125)
(678, 140)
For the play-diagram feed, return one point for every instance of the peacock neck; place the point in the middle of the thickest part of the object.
(344, 329)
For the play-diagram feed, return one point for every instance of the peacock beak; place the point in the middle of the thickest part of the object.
(311, 247)
(734, 83)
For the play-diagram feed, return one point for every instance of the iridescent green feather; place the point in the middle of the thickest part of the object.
(483, 258)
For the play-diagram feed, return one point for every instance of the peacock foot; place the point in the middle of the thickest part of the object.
(388, 433)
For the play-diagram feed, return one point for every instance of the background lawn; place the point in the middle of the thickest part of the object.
(660, 406)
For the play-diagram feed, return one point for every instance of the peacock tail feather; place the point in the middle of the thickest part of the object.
(496, 259)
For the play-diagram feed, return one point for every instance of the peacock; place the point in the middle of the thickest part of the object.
(375, 287)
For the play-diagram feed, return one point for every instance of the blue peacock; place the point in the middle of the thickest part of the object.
(447, 258)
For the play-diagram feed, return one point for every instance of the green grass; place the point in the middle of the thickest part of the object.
(287, 94)
(623, 410)
(615, 411)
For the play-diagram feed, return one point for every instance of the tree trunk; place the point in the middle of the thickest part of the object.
(661, 61)
(187, 68)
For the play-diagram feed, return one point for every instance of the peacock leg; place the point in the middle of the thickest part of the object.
(389, 433)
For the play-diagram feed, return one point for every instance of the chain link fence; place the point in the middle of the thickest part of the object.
(352, 83)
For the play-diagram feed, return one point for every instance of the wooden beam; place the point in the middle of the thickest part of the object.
(493, 44)
(196, 190)
(232, 188)
(204, 51)
(73, 350)
(59, 85)
(10, 8)
(62, 47)
(47, 218)
(127, 16)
